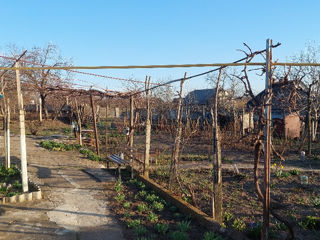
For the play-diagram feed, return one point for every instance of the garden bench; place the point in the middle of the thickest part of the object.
(120, 161)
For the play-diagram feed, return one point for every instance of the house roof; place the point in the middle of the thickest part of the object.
(200, 97)
(288, 97)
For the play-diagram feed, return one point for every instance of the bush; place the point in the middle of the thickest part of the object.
(227, 216)
(294, 172)
(311, 223)
(142, 207)
(161, 228)
(134, 223)
(184, 226)
(177, 235)
(239, 224)
(119, 197)
(140, 230)
(158, 206)
(212, 236)
(316, 202)
(254, 230)
(126, 204)
(152, 217)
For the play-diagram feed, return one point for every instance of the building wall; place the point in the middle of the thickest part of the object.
(292, 126)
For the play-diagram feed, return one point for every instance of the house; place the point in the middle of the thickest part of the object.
(288, 107)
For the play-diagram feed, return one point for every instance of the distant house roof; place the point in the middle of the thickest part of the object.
(200, 97)
(288, 97)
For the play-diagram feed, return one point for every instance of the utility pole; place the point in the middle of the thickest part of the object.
(267, 143)
(23, 148)
(94, 124)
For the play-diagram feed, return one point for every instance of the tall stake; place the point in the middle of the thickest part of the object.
(23, 150)
(106, 131)
(217, 171)
(131, 134)
(148, 130)
(177, 140)
(7, 135)
(267, 144)
(95, 124)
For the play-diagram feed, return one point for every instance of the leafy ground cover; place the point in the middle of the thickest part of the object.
(145, 215)
(242, 210)
(10, 181)
(60, 146)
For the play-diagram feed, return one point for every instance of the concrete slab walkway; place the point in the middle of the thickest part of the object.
(74, 204)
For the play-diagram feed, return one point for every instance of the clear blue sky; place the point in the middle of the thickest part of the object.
(159, 32)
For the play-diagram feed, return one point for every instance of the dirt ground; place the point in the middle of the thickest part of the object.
(74, 204)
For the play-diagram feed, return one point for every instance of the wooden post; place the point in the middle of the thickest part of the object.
(23, 150)
(131, 133)
(7, 135)
(40, 109)
(148, 130)
(94, 124)
(217, 164)
(178, 134)
(267, 144)
(106, 132)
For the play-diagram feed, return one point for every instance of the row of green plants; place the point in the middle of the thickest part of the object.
(10, 181)
(59, 146)
(147, 207)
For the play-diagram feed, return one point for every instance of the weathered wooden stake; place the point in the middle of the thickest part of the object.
(148, 130)
(217, 165)
(7, 135)
(95, 125)
(106, 132)
(23, 150)
(267, 144)
(131, 133)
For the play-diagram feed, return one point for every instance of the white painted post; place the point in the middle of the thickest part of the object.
(23, 150)
(40, 109)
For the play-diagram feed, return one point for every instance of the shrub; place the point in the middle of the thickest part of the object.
(134, 223)
(158, 206)
(227, 216)
(151, 197)
(119, 197)
(177, 235)
(142, 207)
(254, 230)
(316, 202)
(140, 230)
(126, 204)
(184, 226)
(127, 214)
(294, 172)
(310, 222)
(239, 224)
(212, 236)
(161, 228)
(152, 217)
(118, 186)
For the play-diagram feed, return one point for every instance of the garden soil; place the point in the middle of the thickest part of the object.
(74, 205)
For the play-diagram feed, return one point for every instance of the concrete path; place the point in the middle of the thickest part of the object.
(74, 204)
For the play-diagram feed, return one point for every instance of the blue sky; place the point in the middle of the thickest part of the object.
(159, 32)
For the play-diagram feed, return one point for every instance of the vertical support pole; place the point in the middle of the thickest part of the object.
(94, 124)
(243, 124)
(148, 130)
(40, 109)
(7, 135)
(131, 133)
(106, 132)
(267, 144)
(23, 150)
(217, 162)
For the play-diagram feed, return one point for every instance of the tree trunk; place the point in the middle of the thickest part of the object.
(309, 119)
(131, 133)
(177, 140)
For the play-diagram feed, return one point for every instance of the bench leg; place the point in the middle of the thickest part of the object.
(119, 173)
